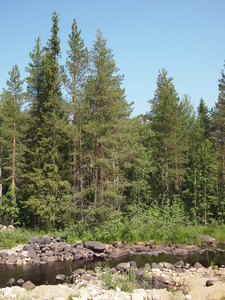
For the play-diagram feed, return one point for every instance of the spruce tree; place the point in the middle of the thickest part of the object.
(169, 120)
(50, 201)
(218, 122)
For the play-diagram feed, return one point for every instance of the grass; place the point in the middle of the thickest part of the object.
(125, 282)
(134, 230)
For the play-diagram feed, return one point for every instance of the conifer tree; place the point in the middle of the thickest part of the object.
(218, 121)
(12, 130)
(76, 67)
(106, 128)
(50, 201)
(169, 120)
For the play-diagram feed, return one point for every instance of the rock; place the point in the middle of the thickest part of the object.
(151, 242)
(60, 277)
(138, 273)
(156, 266)
(208, 240)
(123, 266)
(118, 244)
(28, 285)
(167, 265)
(11, 228)
(59, 246)
(147, 267)
(34, 239)
(179, 264)
(95, 246)
(78, 272)
(209, 283)
(6, 291)
(141, 292)
(180, 252)
(12, 259)
(11, 282)
(136, 296)
(20, 282)
(4, 256)
(197, 265)
(46, 240)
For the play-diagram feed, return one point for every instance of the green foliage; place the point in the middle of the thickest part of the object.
(8, 208)
(127, 282)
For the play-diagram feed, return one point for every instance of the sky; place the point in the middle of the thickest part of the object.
(185, 37)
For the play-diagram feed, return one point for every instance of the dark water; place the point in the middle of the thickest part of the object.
(45, 274)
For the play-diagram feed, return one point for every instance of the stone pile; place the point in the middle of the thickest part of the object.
(48, 249)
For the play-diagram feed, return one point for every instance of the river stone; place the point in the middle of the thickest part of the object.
(157, 266)
(136, 296)
(180, 252)
(12, 259)
(46, 240)
(167, 265)
(20, 282)
(179, 264)
(197, 265)
(95, 246)
(147, 267)
(59, 246)
(78, 272)
(4, 256)
(138, 273)
(28, 285)
(60, 277)
(123, 266)
(11, 282)
(34, 239)
(209, 283)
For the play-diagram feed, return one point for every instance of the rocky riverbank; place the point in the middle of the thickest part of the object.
(158, 281)
(48, 249)
(155, 281)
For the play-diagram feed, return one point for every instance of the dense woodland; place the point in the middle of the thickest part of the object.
(70, 151)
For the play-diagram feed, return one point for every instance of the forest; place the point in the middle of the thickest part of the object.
(72, 155)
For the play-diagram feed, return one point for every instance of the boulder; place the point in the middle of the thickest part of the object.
(34, 239)
(208, 240)
(60, 277)
(28, 285)
(12, 259)
(58, 246)
(11, 282)
(95, 246)
(180, 252)
(197, 265)
(118, 244)
(209, 283)
(123, 266)
(20, 282)
(78, 272)
(4, 256)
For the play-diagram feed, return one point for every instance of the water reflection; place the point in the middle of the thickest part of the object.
(45, 274)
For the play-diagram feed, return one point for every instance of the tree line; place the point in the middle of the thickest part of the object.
(70, 151)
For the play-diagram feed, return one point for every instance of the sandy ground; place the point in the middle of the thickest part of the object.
(194, 282)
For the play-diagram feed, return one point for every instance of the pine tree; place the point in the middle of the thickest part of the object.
(106, 130)
(76, 67)
(12, 130)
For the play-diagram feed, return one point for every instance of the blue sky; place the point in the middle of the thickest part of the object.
(186, 37)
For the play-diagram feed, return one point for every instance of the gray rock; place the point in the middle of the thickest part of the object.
(34, 239)
(179, 264)
(78, 272)
(28, 285)
(60, 277)
(95, 246)
(59, 246)
(20, 282)
(209, 283)
(197, 265)
(123, 266)
(11, 282)
(12, 259)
